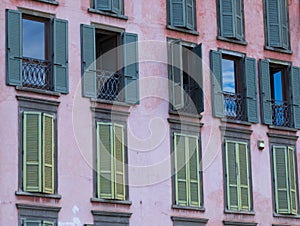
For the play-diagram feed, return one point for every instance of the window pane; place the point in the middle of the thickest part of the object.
(228, 75)
(33, 39)
(277, 84)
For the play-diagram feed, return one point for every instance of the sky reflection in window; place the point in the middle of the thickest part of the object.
(228, 76)
(277, 83)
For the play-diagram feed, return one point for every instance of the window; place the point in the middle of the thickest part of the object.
(185, 75)
(110, 65)
(111, 218)
(231, 19)
(234, 86)
(237, 175)
(111, 161)
(277, 24)
(182, 14)
(182, 221)
(280, 93)
(187, 171)
(32, 60)
(110, 6)
(285, 179)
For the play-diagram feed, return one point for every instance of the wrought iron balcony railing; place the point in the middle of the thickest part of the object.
(109, 85)
(281, 113)
(234, 107)
(36, 73)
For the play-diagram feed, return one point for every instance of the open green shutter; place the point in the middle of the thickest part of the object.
(60, 64)
(193, 171)
(48, 153)
(176, 75)
(32, 165)
(105, 161)
(216, 79)
(280, 162)
(14, 48)
(103, 5)
(181, 182)
(227, 16)
(119, 162)
(239, 20)
(273, 22)
(231, 176)
(293, 181)
(117, 6)
(32, 223)
(284, 24)
(251, 90)
(131, 68)
(190, 14)
(243, 177)
(265, 92)
(295, 86)
(48, 223)
(177, 13)
(88, 56)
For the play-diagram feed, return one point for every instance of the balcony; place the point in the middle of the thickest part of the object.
(281, 113)
(36, 73)
(234, 108)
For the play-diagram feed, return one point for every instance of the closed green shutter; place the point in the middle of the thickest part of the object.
(216, 79)
(88, 56)
(32, 165)
(60, 64)
(193, 171)
(14, 48)
(131, 68)
(280, 162)
(103, 5)
(48, 223)
(265, 92)
(293, 181)
(239, 20)
(176, 75)
(284, 24)
(105, 161)
(231, 176)
(243, 177)
(181, 183)
(32, 223)
(274, 22)
(119, 162)
(177, 13)
(48, 153)
(190, 14)
(117, 6)
(251, 90)
(227, 14)
(295, 86)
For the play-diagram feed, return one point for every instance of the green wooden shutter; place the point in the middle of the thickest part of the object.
(280, 162)
(32, 223)
(295, 86)
(177, 13)
(216, 79)
(273, 22)
(231, 176)
(265, 92)
(227, 14)
(251, 90)
(14, 48)
(103, 4)
(181, 183)
(239, 20)
(243, 177)
(119, 165)
(88, 56)
(190, 14)
(197, 75)
(193, 172)
(131, 68)
(48, 153)
(117, 6)
(284, 24)
(293, 181)
(32, 165)
(60, 64)
(176, 75)
(105, 161)
(48, 223)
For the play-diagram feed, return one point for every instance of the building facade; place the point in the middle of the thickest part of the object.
(176, 112)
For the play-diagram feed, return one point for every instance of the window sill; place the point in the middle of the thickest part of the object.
(48, 1)
(23, 193)
(244, 123)
(287, 51)
(289, 129)
(100, 12)
(186, 114)
(183, 30)
(252, 213)
(40, 91)
(286, 216)
(244, 43)
(117, 103)
(190, 208)
(111, 201)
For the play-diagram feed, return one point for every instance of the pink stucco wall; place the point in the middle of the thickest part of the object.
(149, 171)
